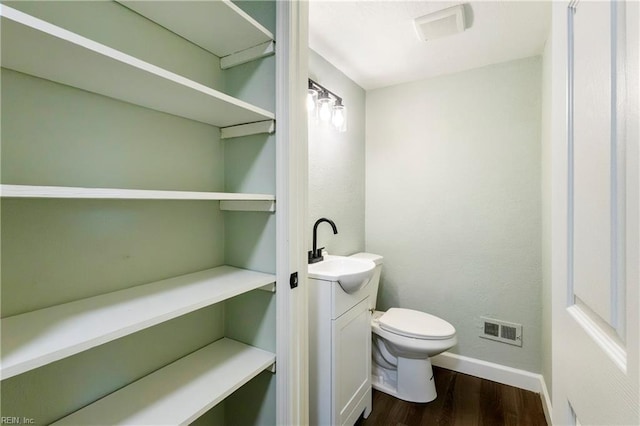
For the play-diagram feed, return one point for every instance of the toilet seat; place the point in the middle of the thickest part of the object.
(416, 324)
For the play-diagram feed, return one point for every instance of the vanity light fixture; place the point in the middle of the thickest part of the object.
(312, 99)
(325, 103)
(339, 119)
(327, 106)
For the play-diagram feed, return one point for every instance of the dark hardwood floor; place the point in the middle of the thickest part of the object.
(462, 401)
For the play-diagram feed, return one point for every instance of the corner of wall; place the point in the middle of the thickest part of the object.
(545, 141)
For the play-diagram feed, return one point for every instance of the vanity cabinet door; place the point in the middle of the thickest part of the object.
(351, 334)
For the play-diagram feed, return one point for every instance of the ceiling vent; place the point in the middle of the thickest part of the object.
(442, 23)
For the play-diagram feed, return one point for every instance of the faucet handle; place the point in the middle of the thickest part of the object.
(315, 257)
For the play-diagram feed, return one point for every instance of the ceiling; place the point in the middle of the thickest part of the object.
(375, 44)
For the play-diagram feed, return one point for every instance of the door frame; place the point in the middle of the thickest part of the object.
(292, 347)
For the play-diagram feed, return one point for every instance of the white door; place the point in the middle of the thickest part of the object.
(595, 230)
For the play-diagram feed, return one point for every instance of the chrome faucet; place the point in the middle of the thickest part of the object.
(315, 255)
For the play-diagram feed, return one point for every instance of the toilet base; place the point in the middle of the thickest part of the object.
(411, 381)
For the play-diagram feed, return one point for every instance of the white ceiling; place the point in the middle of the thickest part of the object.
(375, 44)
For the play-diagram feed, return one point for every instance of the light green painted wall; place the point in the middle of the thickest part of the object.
(213, 417)
(453, 202)
(250, 318)
(253, 82)
(56, 251)
(337, 166)
(250, 164)
(250, 239)
(60, 250)
(57, 135)
(114, 25)
(254, 403)
(263, 11)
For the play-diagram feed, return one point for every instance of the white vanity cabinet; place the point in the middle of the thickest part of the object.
(339, 354)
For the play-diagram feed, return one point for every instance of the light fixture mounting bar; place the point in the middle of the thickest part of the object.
(321, 88)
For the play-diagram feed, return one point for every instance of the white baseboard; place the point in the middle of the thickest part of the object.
(546, 400)
(497, 373)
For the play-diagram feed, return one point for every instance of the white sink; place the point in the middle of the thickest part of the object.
(352, 274)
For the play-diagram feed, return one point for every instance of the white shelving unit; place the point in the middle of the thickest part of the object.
(184, 390)
(231, 31)
(47, 51)
(180, 392)
(32, 191)
(41, 337)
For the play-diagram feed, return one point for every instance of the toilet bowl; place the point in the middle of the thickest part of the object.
(401, 357)
(403, 340)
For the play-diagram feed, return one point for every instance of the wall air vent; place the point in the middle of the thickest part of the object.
(501, 331)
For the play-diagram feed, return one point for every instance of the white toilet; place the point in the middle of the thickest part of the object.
(402, 342)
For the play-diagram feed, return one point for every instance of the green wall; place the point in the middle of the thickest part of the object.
(251, 236)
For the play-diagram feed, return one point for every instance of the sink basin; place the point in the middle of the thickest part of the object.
(352, 274)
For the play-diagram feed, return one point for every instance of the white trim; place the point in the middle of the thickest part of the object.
(488, 370)
(497, 373)
(545, 398)
(596, 328)
(292, 387)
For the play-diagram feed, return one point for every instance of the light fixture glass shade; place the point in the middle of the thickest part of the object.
(339, 119)
(324, 107)
(312, 105)
(312, 98)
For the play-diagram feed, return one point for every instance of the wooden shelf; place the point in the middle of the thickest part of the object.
(30, 191)
(37, 338)
(180, 392)
(35, 47)
(219, 27)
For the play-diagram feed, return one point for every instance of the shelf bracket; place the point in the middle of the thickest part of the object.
(267, 126)
(248, 205)
(248, 55)
(272, 368)
(271, 288)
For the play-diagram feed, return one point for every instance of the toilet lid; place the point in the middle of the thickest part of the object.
(416, 324)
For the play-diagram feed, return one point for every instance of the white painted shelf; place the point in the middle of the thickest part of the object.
(31, 191)
(37, 338)
(182, 391)
(36, 47)
(219, 27)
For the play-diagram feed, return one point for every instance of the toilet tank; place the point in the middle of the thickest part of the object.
(375, 279)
